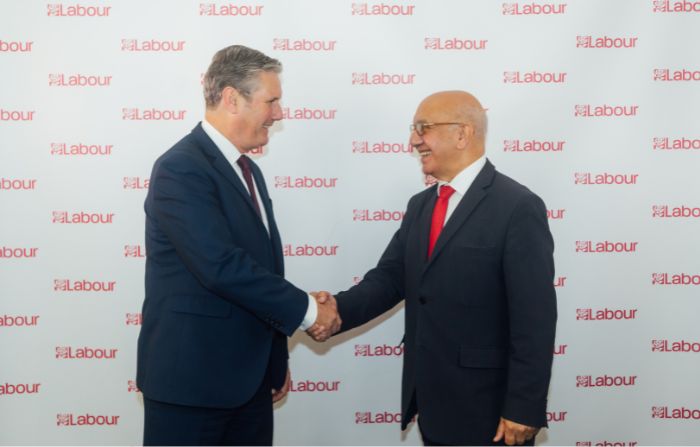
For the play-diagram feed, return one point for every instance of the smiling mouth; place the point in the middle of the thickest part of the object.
(424, 153)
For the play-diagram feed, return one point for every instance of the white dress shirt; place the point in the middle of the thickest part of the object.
(461, 184)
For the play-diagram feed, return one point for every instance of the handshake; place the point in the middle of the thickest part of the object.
(328, 320)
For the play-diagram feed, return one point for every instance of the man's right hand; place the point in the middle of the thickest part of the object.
(328, 320)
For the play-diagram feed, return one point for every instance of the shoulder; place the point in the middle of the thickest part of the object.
(183, 156)
(513, 192)
(422, 196)
(417, 201)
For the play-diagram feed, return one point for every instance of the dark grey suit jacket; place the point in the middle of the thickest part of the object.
(480, 314)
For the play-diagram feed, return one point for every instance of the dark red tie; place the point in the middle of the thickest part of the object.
(244, 163)
(439, 213)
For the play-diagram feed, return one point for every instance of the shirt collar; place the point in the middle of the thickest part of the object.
(227, 148)
(465, 178)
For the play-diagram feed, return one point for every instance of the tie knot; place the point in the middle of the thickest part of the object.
(243, 162)
(446, 192)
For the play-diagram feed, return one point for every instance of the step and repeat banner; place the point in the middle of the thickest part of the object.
(594, 105)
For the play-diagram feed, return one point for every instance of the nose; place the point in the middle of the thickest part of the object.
(415, 139)
(276, 111)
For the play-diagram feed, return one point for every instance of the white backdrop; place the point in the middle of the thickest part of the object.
(592, 104)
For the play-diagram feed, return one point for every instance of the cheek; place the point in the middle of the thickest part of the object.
(265, 116)
(433, 146)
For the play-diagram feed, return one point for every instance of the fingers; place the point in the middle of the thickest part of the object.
(531, 433)
(279, 394)
(328, 321)
(510, 437)
(514, 433)
(322, 297)
(319, 333)
(524, 434)
(500, 431)
(317, 297)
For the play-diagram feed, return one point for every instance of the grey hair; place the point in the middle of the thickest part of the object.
(236, 66)
(477, 117)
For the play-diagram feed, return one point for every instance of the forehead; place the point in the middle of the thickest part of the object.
(268, 85)
(433, 109)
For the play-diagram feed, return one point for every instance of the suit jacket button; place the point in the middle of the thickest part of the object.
(422, 300)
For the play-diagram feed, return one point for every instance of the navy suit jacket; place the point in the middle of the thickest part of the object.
(217, 309)
(480, 313)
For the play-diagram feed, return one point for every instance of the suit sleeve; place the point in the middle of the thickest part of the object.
(186, 206)
(382, 287)
(532, 312)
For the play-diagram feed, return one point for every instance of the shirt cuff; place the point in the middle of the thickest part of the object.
(311, 314)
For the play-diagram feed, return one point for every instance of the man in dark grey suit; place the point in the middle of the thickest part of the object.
(473, 260)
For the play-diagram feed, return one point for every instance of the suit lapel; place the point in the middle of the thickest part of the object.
(262, 189)
(475, 193)
(219, 162)
(272, 224)
(423, 224)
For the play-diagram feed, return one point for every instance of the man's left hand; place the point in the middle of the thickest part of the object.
(279, 394)
(514, 433)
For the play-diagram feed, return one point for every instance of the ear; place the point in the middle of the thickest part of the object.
(231, 99)
(465, 136)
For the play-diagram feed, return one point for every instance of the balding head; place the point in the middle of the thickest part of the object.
(459, 106)
(457, 137)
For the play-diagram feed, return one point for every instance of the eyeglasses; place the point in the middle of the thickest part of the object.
(420, 128)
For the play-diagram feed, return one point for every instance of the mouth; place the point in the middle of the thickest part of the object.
(424, 153)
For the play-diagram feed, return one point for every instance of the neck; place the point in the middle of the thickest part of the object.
(219, 122)
(464, 164)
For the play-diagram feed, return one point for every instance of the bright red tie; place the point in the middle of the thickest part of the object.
(439, 213)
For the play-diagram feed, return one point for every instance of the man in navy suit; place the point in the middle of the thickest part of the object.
(473, 260)
(212, 352)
